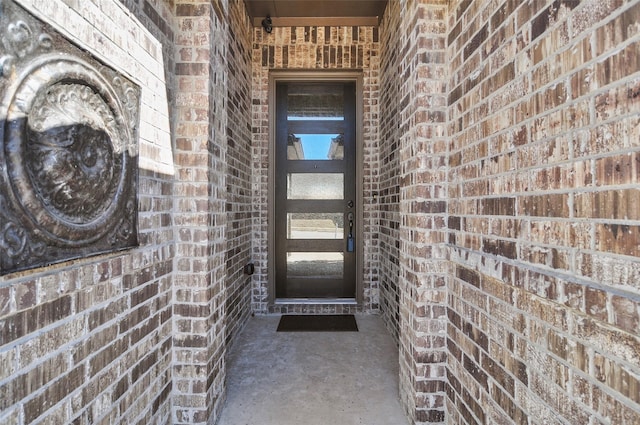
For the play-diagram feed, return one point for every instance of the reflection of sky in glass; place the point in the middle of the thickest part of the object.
(316, 146)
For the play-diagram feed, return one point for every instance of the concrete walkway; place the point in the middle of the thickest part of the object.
(321, 378)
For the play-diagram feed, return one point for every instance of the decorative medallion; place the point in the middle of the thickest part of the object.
(68, 163)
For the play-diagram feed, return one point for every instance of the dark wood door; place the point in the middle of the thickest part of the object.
(315, 199)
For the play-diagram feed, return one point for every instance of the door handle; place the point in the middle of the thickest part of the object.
(350, 239)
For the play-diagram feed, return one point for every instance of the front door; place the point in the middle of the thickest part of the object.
(315, 195)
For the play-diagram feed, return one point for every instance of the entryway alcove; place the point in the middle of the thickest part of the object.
(495, 223)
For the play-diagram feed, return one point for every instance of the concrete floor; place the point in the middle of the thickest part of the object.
(313, 378)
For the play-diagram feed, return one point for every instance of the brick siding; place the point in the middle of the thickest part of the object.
(415, 152)
(533, 182)
(90, 340)
(200, 195)
(239, 171)
(543, 303)
(389, 169)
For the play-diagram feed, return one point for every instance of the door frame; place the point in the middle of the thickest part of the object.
(315, 76)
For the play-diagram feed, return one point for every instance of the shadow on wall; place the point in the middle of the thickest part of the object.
(66, 192)
(69, 148)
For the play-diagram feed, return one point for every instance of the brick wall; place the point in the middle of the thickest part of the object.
(389, 169)
(158, 18)
(200, 213)
(89, 341)
(544, 296)
(239, 169)
(424, 267)
(314, 48)
(142, 334)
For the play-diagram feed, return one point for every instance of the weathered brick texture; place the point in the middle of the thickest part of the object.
(422, 177)
(413, 153)
(90, 340)
(543, 300)
(239, 205)
(389, 169)
(200, 198)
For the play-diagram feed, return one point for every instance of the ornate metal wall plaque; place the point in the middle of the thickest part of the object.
(68, 157)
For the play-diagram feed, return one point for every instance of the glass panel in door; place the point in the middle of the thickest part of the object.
(315, 190)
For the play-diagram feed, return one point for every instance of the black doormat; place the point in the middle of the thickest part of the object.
(318, 323)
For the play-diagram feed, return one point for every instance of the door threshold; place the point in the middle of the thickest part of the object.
(316, 301)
